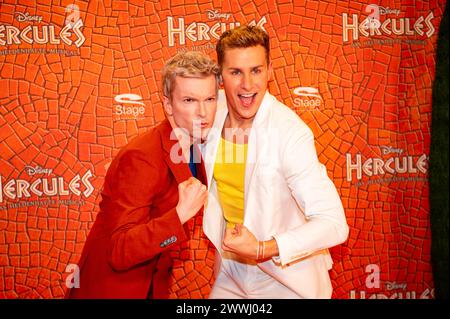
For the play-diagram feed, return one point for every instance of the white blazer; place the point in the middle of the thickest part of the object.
(288, 197)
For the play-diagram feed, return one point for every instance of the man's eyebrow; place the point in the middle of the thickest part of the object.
(187, 96)
(237, 68)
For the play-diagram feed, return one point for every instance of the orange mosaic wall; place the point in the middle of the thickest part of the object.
(63, 117)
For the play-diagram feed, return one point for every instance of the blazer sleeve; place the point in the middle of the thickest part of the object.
(307, 179)
(136, 238)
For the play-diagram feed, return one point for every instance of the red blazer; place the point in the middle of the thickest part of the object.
(127, 252)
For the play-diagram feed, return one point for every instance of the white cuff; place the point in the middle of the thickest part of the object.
(286, 253)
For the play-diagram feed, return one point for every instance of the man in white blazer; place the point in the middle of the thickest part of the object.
(273, 215)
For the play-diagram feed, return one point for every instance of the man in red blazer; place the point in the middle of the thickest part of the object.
(150, 192)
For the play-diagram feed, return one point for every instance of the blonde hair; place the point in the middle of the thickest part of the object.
(242, 37)
(188, 64)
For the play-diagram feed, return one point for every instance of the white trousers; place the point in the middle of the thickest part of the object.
(240, 279)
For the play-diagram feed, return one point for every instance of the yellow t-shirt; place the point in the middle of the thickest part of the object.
(229, 173)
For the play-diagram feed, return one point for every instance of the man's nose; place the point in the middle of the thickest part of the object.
(202, 109)
(247, 82)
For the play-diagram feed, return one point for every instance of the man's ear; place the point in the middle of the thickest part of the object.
(167, 106)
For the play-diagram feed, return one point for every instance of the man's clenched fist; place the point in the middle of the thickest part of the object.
(192, 196)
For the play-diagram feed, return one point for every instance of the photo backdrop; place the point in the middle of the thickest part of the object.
(80, 79)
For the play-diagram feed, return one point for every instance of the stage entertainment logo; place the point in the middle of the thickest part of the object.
(307, 98)
(382, 24)
(179, 32)
(129, 107)
(396, 163)
(36, 33)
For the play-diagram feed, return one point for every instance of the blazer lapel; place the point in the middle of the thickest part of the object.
(178, 167)
(257, 141)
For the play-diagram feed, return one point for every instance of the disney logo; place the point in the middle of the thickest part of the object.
(389, 149)
(37, 170)
(215, 15)
(22, 17)
(388, 10)
(393, 285)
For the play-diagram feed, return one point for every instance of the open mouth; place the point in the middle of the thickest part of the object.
(247, 99)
